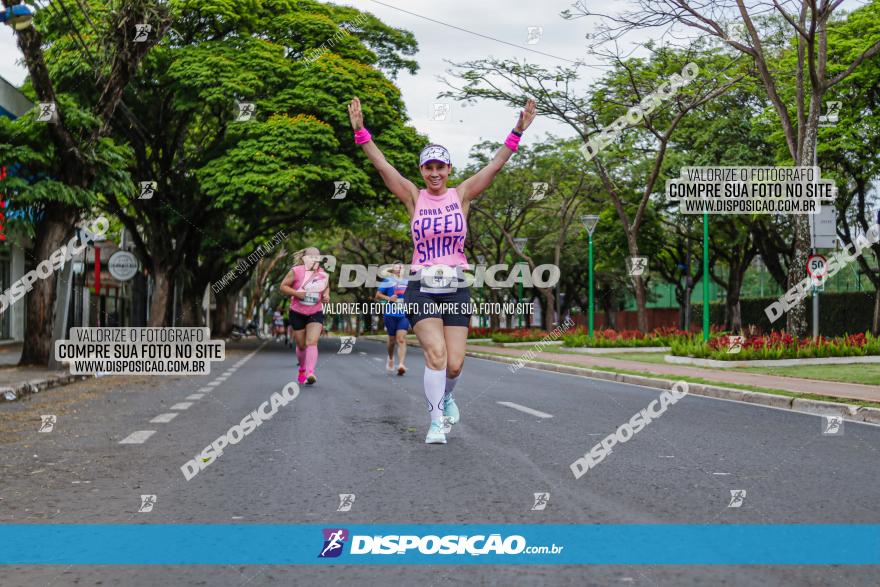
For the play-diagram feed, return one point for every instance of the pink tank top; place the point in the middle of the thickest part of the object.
(438, 230)
(311, 282)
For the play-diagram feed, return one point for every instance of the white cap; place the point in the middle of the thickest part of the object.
(434, 153)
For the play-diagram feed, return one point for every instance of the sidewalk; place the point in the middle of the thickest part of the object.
(16, 382)
(794, 385)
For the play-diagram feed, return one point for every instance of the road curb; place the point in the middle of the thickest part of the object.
(15, 392)
(811, 406)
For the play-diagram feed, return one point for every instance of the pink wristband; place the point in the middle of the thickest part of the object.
(512, 142)
(362, 136)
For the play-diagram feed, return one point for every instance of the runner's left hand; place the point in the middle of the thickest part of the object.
(526, 116)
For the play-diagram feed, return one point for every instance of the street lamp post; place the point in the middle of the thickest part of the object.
(590, 221)
(706, 277)
(19, 16)
(520, 244)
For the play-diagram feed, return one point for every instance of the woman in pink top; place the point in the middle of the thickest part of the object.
(438, 224)
(309, 289)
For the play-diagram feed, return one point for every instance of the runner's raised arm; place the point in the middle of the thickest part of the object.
(400, 186)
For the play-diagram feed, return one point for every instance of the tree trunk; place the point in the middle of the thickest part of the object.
(610, 314)
(191, 312)
(40, 302)
(641, 301)
(163, 287)
(875, 330)
(494, 318)
(732, 308)
(640, 286)
(221, 317)
(797, 315)
(549, 307)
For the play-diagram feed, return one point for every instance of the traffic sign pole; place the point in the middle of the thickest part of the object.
(817, 268)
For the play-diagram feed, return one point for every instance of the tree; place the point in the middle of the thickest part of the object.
(77, 141)
(226, 182)
(826, 56)
(629, 173)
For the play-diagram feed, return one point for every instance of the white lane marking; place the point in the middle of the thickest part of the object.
(721, 473)
(205, 389)
(164, 418)
(215, 383)
(137, 437)
(666, 456)
(526, 410)
(181, 406)
(222, 378)
(195, 396)
(376, 359)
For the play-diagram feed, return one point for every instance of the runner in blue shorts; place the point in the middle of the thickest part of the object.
(391, 291)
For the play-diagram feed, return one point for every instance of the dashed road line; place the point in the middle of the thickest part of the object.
(164, 418)
(181, 406)
(526, 410)
(137, 437)
(195, 396)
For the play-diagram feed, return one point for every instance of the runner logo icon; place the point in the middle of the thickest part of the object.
(346, 500)
(737, 496)
(334, 540)
(346, 344)
(47, 423)
(541, 500)
(832, 425)
(735, 344)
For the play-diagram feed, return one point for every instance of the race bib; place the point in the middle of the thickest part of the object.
(438, 279)
(311, 299)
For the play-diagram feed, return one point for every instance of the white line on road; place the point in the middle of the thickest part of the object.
(181, 406)
(137, 437)
(164, 418)
(195, 396)
(205, 390)
(526, 410)
(214, 383)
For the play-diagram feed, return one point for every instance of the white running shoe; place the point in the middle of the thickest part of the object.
(435, 434)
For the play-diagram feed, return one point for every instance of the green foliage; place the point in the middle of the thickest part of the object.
(776, 347)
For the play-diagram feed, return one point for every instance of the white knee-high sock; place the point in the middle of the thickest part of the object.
(450, 386)
(434, 388)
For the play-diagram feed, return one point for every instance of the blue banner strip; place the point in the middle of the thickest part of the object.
(275, 544)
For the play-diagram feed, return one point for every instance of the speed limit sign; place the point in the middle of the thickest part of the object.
(817, 266)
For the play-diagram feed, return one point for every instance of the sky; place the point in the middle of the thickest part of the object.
(467, 125)
(464, 126)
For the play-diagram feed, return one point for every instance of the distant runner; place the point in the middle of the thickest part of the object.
(309, 289)
(438, 224)
(392, 291)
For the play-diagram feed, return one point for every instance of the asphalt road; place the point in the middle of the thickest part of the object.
(360, 431)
